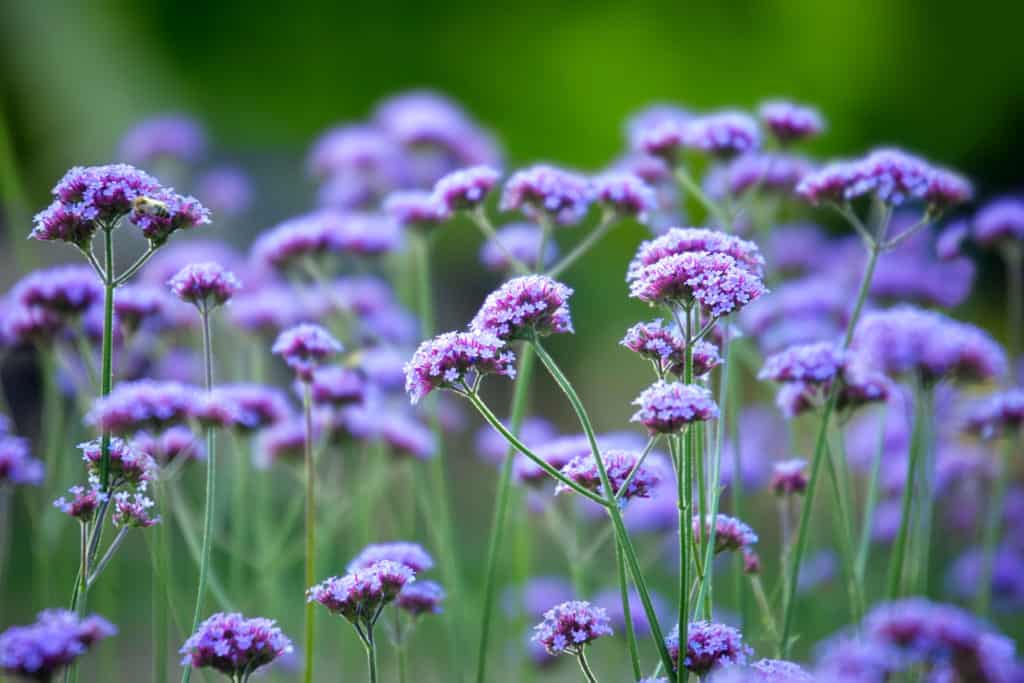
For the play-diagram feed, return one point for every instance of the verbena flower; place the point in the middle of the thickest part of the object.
(173, 137)
(286, 440)
(338, 386)
(62, 290)
(625, 194)
(665, 347)
(657, 130)
(270, 310)
(406, 435)
(318, 234)
(255, 406)
(133, 509)
(17, 466)
(304, 347)
(234, 645)
(714, 281)
(1001, 220)
(1007, 579)
(171, 258)
(411, 555)
(421, 597)
(709, 647)
(778, 173)
(789, 477)
(724, 134)
(227, 190)
(210, 410)
(666, 408)
(809, 363)
(142, 405)
(844, 659)
(524, 307)
(949, 245)
(557, 452)
(522, 240)
(206, 285)
(126, 462)
(583, 471)
(29, 326)
(454, 359)
(170, 444)
(165, 212)
(543, 190)
(416, 209)
(138, 306)
(789, 121)
(56, 639)
(730, 533)
(466, 188)
(998, 414)
(913, 274)
(571, 626)
(694, 240)
(83, 502)
(359, 151)
(359, 595)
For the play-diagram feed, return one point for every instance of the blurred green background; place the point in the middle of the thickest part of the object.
(554, 81)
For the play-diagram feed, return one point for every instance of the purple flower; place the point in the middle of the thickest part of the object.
(174, 137)
(17, 466)
(524, 307)
(492, 447)
(716, 281)
(625, 194)
(571, 626)
(466, 188)
(998, 414)
(912, 274)
(304, 347)
(777, 173)
(362, 152)
(421, 597)
(235, 645)
(83, 502)
(411, 555)
(142, 405)
(25, 325)
(709, 647)
(694, 240)
(338, 386)
(359, 595)
(62, 290)
(611, 602)
(789, 477)
(455, 360)
(650, 129)
(817, 363)
(1007, 581)
(416, 209)
(207, 285)
(126, 462)
(269, 310)
(799, 248)
(166, 263)
(61, 222)
(227, 190)
(141, 305)
(524, 241)
(543, 190)
(1001, 220)
(666, 408)
(665, 347)
(285, 441)
(133, 510)
(790, 122)
(254, 406)
(557, 452)
(536, 596)
(176, 442)
(325, 232)
(408, 436)
(583, 471)
(166, 212)
(949, 245)
(856, 660)
(730, 533)
(724, 134)
(57, 638)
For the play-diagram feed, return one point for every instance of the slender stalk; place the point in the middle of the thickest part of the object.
(767, 617)
(691, 187)
(993, 522)
(636, 466)
(585, 245)
(899, 548)
(310, 569)
(239, 517)
(519, 400)
(803, 531)
(107, 373)
(160, 598)
(211, 484)
(1013, 256)
(105, 560)
(371, 653)
(481, 221)
(845, 539)
(870, 503)
(581, 657)
(627, 613)
(684, 489)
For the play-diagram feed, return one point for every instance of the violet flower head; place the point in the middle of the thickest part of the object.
(127, 463)
(714, 281)
(524, 241)
(166, 263)
(56, 639)
(255, 406)
(724, 135)
(227, 190)
(524, 307)
(1007, 580)
(142, 405)
(416, 209)
(133, 509)
(83, 502)
(583, 471)
(790, 122)
(913, 274)
(206, 285)
(557, 452)
(62, 290)
(173, 137)
(359, 595)
(730, 533)
(141, 305)
(465, 189)
(709, 647)
(817, 363)
(165, 212)
(411, 555)
(421, 597)
(666, 408)
(324, 232)
(778, 671)
(357, 151)
(235, 645)
(571, 626)
(651, 117)
(661, 137)
(789, 477)
(778, 173)
(625, 194)
(998, 415)
(408, 436)
(1001, 220)
(304, 347)
(285, 441)
(665, 347)
(686, 240)
(17, 466)
(173, 443)
(543, 190)
(455, 360)
(338, 386)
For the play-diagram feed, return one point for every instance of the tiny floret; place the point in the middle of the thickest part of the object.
(714, 281)
(668, 407)
(304, 347)
(83, 502)
(523, 307)
(684, 240)
(730, 533)
(456, 360)
(127, 463)
(571, 626)
(134, 510)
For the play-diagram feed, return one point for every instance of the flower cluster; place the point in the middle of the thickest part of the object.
(998, 414)
(763, 172)
(421, 597)
(62, 290)
(571, 626)
(790, 122)
(141, 406)
(713, 281)
(1001, 220)
(524, 307)
(625, 194)
(83, 503)
(174, 137)
(455, 360)
(666, 408)
(206, 285)
(133, 509)
(730, 533)
(338, 386)
(411, 555)
(56, 639)
(685, 240)
(583, 471)
(234, 645)
(560, 195)
(665, 347)
(17, 466)
(304, 347)
(465, 189)
(709, 647)
(127, 463)
(789, 477)
(360, 595)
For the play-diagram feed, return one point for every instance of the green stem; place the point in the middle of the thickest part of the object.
(627, 613)
(992, 526)
(585, 245)
(310, 568)
(870, 503)
(161, 624)
(239, 517)
(691, 187)
(767, 617)
(588, 674)
(107, 374)
(1013, 256)
(845, 538)
(371, 654)
(519, 401)
(480, 220)
(684, 489)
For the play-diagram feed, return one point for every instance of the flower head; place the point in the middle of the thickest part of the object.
(17, 466)
(625, 194)
(777, 173)
(406, 435)
(665, 347)
(57, 638)
(227, 190)
(523, 307)
(142, 405)
(304, 347)
(668, 407)
(583, 470)
(730, 533)
(1001, 220)
(715, 281)
(207, 285)
(174, 137)
(416, 209)
(709, 646)
(465, 189)
(544, 190)
(724, 134)
(359, 595)
(570, 626)
(83, 502)
(165, 212)
(522, 240)
(809, 363)
(338, 385)
(411, 555)
(455, 358)
(176, 442)
(789, 477)
(254, 406)
(421, 597)
(62, 290)
(998, 414)
(126, 462)
(790, 122)
(688, 240)
(234, 645)
(133, 509)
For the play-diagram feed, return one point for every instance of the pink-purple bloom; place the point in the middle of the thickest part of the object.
(254, 406)
(17, 466)
(304, 347)
(359, 595)
(789, 477)
(668, 407)
(133, 510)
(789, 121)
(416, 209)
(665, 347)
(730, 533)
(456, 360)
(227, 190)
(777, 173)
(421, 597)
(686, 240)
(234, 645)
(709, 647)
(62, 290)
(466, 188)
(338, 385)
(127, 463)
(542, 190)
(411, 555)
(624, 194)
(56, 639)
(166, 212)
(524, 307)
(142, 405)
(174, 137)
(83, 502)
(998, 415)
(810, 363)
(206, 285)
(724, 134)
(618, 463)
(571, 626)
(714, 281)
(1001, 220)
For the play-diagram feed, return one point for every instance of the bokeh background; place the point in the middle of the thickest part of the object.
(553, 81)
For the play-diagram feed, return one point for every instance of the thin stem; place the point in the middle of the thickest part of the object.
(691, 187)
(371, 654)
(105, 560)
(845, 538)
(993, 523)
(1013, 256)
(481, 221)
(161, 597)
(211, 487)
(684, 489)
(83, 562)
(310, 573)
(870, 503)
(107, 374)
(519, 400)
(627, 613)
(767, 616)
(581, 657)
(899, 548)
(585, 245)
(651, 442)
(239, 518)
(135, 267)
